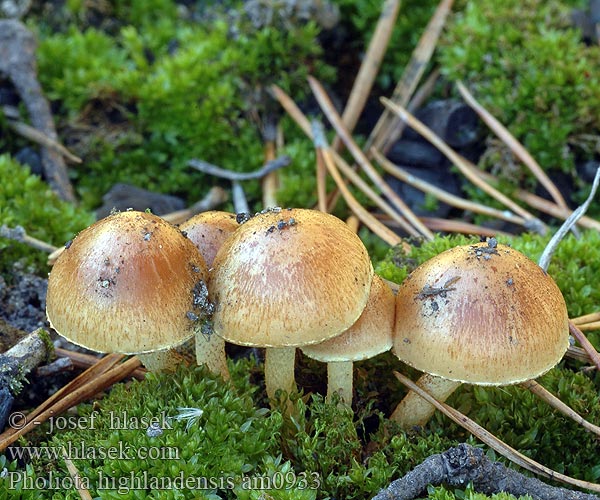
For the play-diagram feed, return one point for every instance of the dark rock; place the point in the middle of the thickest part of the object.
(124, 196)
(6, 402)
(587, 170)
(29, 156)
(455, 122)
(8, 95)
(23, 301)
(415, 153)
(415, 199)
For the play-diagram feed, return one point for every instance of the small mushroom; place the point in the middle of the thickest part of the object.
(288, 278)
(481, 314)
(369, 336)
(208, 231)
(127, 284)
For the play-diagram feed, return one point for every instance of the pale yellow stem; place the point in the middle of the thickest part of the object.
(413, 410)
(279, 370)
(210, 351)
(339, 380)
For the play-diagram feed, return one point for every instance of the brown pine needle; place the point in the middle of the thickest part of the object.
(466, 167)
(440, 194)
(544, 394)
(515, 146)
(458, 226)
(586, 318)
(493, 442)
(369, 67)
(360, 158)
(84, 391)
(82, 360)
(585, 344)
(363, 215)
(84, 494)
(588, 327)
(386, 131)
(542, 204)
(296, 114)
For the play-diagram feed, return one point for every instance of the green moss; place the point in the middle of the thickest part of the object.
(25, 200)
(532, 72)
(164, 89)
(361, 18)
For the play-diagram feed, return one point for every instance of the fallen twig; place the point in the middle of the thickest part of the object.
(466, 167)
(466, 464)
(363, 162)
(518, 150)
(492, 441)
(40, 138)
(18, 63)
(223, 173)
(388, 128)
(18, 233)
(369, 67)
(216, 196)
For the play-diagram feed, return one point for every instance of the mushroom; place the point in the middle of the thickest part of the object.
(369, 336)
(288, 278)
(208, 230)
(482, 314)
(130, 283)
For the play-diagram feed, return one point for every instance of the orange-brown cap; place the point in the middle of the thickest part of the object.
(129, 283)
(208, 231)
(289, 277)
(369, 336)
(482, 314)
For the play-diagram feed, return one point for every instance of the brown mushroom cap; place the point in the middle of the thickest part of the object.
(289, 277)
(208, 231)
(369, 336)
(126, 284)
(481, 314)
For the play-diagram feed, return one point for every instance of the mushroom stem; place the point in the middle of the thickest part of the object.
(210, 351)
(166, 360)
(339, 380)
(413, 410)
(279, 370)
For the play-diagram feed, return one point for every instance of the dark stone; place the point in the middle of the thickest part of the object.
(124, 196)
(415, 199)
(8, 95)
(455, 122)
(415, 153)
(29, 156)
(23, 301)
(6, 402)
(587, 170)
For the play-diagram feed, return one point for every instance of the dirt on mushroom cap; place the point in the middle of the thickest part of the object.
(125, 284)
(289, 284)
(481, 314)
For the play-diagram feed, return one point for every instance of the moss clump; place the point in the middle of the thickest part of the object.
(525, 64)
(25, 200)
(159, 90)
(361, 17)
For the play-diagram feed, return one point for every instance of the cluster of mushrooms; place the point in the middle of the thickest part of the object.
(297, 278)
